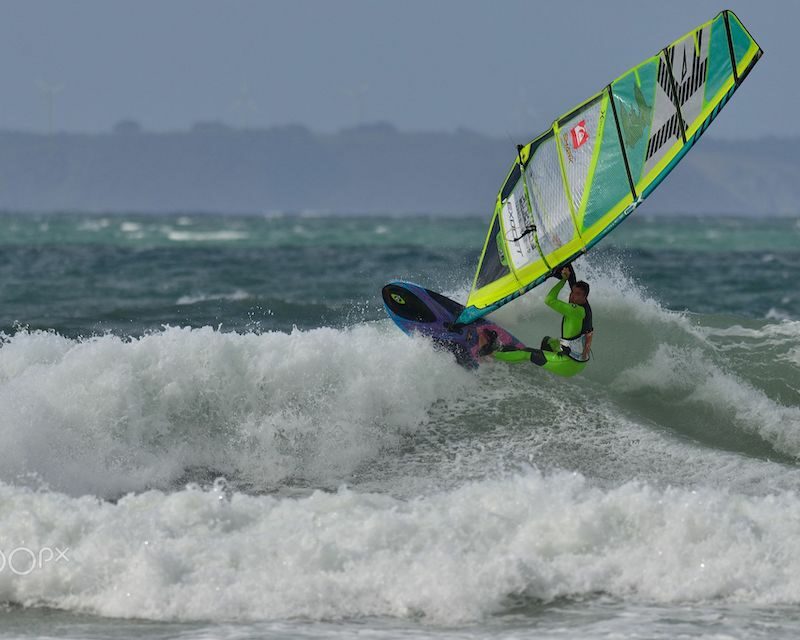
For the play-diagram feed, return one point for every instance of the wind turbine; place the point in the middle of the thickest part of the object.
(246, 104)
(49, 91)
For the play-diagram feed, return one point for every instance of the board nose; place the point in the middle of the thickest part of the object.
(402, 302)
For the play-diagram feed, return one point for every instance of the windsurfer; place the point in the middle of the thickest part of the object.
(572, 350)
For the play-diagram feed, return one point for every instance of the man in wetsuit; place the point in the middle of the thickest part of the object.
(569, 354)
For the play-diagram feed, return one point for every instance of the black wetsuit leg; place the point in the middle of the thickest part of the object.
(537, 357)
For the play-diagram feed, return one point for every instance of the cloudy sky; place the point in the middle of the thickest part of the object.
(499, 67)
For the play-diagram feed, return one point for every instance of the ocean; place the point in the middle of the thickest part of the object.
(210, 429)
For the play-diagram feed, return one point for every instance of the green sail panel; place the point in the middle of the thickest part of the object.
(609, 178)
(718, 66)
(572, 185)
(742, 42)
(634, 96)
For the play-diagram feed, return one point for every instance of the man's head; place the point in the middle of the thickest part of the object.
(579, 293)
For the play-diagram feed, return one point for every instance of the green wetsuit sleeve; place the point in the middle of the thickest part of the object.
(552, 295)
(573, 314)
(552, 301)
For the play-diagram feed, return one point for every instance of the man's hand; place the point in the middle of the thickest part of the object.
(565, 272)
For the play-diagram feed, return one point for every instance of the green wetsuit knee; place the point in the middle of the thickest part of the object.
(558, 363)
(550, 344)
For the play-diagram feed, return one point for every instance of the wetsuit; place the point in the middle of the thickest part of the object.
(567, 356)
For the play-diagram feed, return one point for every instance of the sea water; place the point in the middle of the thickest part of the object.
(210, 429)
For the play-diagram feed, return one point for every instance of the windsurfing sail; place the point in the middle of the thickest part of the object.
(574, 183)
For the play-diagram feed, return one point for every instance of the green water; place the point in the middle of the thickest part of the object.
(214, 416)
(81, 275)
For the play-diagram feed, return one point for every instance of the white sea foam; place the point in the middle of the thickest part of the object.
(772, 330)
(206, 236)
(239, 294)
(94, 224)
(614, 296)
(451, 557)
(107, 415)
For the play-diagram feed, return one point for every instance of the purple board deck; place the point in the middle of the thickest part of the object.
(418, 310)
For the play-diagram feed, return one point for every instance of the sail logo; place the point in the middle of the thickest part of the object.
(579, 134)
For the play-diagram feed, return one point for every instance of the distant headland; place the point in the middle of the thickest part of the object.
(372, 168)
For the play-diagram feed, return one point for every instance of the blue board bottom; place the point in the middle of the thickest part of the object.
(416, 309)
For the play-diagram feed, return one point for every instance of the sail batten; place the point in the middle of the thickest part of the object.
(574, 183)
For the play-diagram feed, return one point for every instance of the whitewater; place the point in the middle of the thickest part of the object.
(283, 462)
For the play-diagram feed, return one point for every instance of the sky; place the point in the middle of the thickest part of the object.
(504, 67)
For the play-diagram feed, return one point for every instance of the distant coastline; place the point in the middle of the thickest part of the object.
(213, 168)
